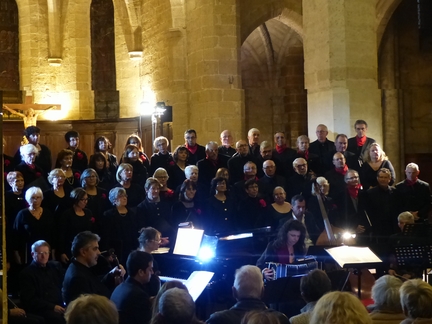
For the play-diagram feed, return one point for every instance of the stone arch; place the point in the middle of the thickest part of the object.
(384, 11)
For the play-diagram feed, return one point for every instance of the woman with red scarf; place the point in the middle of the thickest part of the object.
(352, 216)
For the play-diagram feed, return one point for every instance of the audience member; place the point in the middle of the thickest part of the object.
(266, 316)
(166, 286)
(92, 309)
(416, 300)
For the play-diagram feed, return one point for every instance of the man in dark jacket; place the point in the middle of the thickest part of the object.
(133, 303)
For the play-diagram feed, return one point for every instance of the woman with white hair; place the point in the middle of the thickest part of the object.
(416, 301)
(387, 306)
(56, 199)
(165, 193)
(32, 224)
(163, 157)
(30, 171)
(134, 191)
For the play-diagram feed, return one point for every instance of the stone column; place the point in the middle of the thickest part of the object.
(340, 54)
(216, 98)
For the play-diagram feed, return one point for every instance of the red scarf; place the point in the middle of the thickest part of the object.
(354, 190)
(410, 183)
(256, 178)
(213, 162)
(281, 149)
(343, 170)
(361, 140)
(304, 154)
(191, 149)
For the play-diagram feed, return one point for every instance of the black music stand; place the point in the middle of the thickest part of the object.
(414, 255)
(356, 258)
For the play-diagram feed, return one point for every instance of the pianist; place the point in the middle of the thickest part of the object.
(288, 246)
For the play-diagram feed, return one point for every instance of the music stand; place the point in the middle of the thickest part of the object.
(414, 255)
(356, 258)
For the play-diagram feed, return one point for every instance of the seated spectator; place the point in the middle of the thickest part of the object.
(131, 156)
(16, 315)
(312, 287)
(79, 279)
(32, 173)
(41, 284)
(163, 157)
(340, 307)
(98, 163)
(65, 160)
(416, 300)
(177, 167)
(266, 316)
(247, 290)
(166, 286)
(133, 303)
(387, 307)
(92, 309)
(43, 153)
(80, 160)
(134, 191)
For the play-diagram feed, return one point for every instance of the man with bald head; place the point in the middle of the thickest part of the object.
(253, 139)
(226, 140)
(300, 183)
(341, 145)
(249, 172)
(322, 145)
(212, 162)
(303, 152)
(270, 180)
(236, 163)
(283, 155)
(336, 176)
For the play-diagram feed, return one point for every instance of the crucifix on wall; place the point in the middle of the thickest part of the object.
(29, 111)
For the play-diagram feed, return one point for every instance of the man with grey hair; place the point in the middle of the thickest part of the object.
(322, 145)
(270, 180)
(41, 284)
(176, 306)
(300, 183)
(253, 140)
(248, 289)
(212, 162)
(236, 163)
(226, 140)
(416, 300)
(386, 295)
(414, 194)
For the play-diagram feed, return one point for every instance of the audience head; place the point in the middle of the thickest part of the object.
(102, 144)
(360, 127)
(149, 238)
(298, 203)
(416, 299)
(134, 140)
(222, 172)
(212, 150)
(293, 233)
(181, 153)
(191, 173)
(266, 150)
(89, 177)
(28, 153)
(341, 143)
(98, 161)
(242, 148)
(321, 133)
(79, 197)
(279, 139)
(40, 251)
(226, 138)
(188, 190)
(300, 166)
(248, 283)
(190, 137)
(93, 309)
(124, 172)
(323, 185)
(72, 138)
(251, 187)
(253, 136)
(218, 184)
(116, 194)
(374, 153)
(405, 218)
(32, 133)
(166, 286)
(139, 265)
(385, 293)
(161, 144)
(176, 306)
(265, 316)
(34, 195)
(412, 171)
(315, 285)
(56, 176)
(339, 307)
(86, 247)
(303, 143)
(15, 179)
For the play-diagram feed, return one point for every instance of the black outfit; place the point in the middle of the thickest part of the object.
(254, 150)
(368, 176)
(207, 169)
(139, 175)
(135, 194)
(43, 160)
(120, 232)
(266, 185)
(113, 165)
(180, 213)
(159, 160)
(176, 175)
(27, 230)
(79, 279)
(33, 176)
(198, 155)
(41, 290)
(132, 302)
(277, 218)
(330, 207)
(350, 160)
(252, 213)
(310, 223)
(107, 179)
(13, 204)
(80, 160)
(285, 159)
(98, 204)
(157, 215)
(415, 197)
(73, 181)
(299, 184)
(313, 162)
(359, 150)
(227, 151)
(321, 149)
(8, 166)
(55, 204)
(278, 255)
(70, 225)
(236, 164)
(219, 214)
(235, 314)
(336, 181)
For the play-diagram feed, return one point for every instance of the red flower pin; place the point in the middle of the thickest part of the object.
(171, 163)
(38, 174)
(92, 220)
(103, 196)
(77, 175)
(143, 158)
(262, 203)
(7, 162)
(169, 193)
(79, 155)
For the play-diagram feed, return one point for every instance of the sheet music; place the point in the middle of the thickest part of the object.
(352, 255)
(196, 282)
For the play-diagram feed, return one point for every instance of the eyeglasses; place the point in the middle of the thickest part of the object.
(301, 165)
(156, 241)
(41, 253)
(353, 178)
